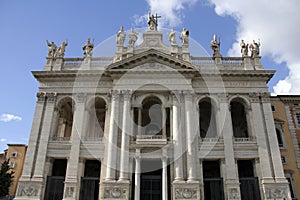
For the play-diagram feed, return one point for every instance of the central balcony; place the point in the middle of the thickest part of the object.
(151, 139)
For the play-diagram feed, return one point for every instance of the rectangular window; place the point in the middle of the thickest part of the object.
(273, 108)
(283, 159)
(291, 187)
(298, 118)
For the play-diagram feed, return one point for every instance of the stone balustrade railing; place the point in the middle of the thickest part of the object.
(230, 63)
(150, 137)
(60, 139)
(244, 139)
(211, 140)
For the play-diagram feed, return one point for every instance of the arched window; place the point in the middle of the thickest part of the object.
(65, 120)
(207, 119)
(96, 118)
(239, 120)
(152, 116)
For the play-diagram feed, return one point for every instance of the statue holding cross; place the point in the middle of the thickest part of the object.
(152, 22)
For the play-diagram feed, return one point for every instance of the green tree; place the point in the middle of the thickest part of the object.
(6, 177)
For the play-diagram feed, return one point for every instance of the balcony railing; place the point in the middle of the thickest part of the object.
(212, 140)
(244, 139)
(149, 137)
(90, 139)
(60, 139)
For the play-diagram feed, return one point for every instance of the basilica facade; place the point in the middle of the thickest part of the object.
(153, 122)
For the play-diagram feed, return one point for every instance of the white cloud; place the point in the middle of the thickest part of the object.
(3, 140)
(171, 10)
(9, 117)
(275, 23)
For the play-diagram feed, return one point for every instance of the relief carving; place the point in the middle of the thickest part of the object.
(29, 191)
(233, 194)
(69, 192)
(276, 192)
(185, 193)
(115, 193)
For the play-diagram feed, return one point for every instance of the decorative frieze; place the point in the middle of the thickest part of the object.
(276, 192)
(28, 190)
(115, 193)
(185, 193)
(70, 192)
(233, 194)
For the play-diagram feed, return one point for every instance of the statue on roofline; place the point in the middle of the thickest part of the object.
(133, 36)
(172, 37)
(244, 48)
(215, 46)
(52, 49)
(88, 48)
(152, 22)
(60, 52)
(254, 48)
(121, 36)
(185, 36)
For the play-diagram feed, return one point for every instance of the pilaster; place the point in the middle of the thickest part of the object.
(261, 134)
(34, 137)
(72, 180)
(232, 186)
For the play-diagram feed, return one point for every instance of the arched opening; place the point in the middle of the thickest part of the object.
(65, 119)
(207, 119)
(152, 116)
(239, 119)
(96, 119)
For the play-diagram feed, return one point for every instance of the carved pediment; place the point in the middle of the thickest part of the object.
(151, 60)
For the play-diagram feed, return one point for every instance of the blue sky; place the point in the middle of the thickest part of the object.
(25, 26)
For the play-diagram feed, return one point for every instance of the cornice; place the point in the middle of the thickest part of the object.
(289, 98)
(148, 55)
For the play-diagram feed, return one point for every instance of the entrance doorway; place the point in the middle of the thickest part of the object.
(55, 183)
(89, 188)
(248, 182)
(151, 180)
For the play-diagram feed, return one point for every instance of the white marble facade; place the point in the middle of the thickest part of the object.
(152, 113)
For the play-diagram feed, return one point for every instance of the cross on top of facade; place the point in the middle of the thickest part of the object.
(156, 17)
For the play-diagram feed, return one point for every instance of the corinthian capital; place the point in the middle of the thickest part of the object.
(127, 94)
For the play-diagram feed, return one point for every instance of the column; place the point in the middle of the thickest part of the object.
(177, 141)
(164, 175)
(139, 121)
(137, 174)
(232, 185)
(112, 137)
(72, 179)
(33, 140)
(39, 170)
(163, 124)
(190, 137)
(126, 132)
